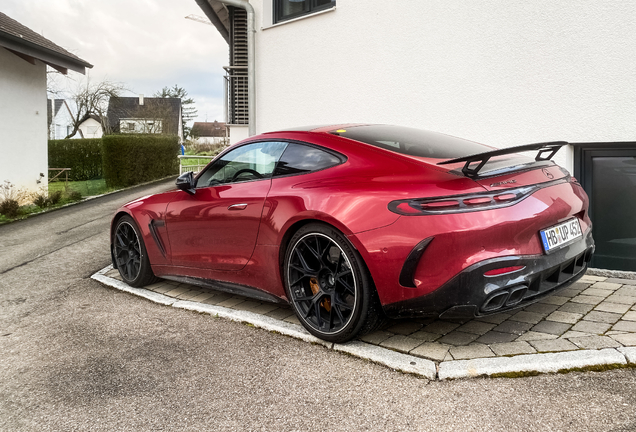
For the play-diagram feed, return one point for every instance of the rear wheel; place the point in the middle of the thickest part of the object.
(328, 284)
(129, 253)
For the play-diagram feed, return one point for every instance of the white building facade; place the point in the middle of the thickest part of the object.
(502, 73)
(24, 55)
(23, 129)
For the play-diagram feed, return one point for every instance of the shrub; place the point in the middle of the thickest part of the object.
(130, 159)
(10, 208)
(55, 197)
(82, 156)
(41, 200)
(74, 195)
(8, 191)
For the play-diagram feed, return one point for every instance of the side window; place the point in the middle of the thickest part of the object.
(299, 159)
(248, 162)
(289, 9)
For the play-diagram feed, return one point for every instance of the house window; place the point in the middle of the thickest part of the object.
(289, 9)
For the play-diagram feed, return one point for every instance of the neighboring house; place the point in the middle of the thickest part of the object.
(209, 132)
(90, 127)
(24, 55)
(145, 115)
(500, 73)
(59, 117)
(60, 122)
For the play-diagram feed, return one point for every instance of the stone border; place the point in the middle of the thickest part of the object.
(518, 365)
(619, 274)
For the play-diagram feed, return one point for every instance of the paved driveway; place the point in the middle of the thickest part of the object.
(75, 355)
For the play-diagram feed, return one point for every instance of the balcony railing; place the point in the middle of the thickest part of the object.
(236, 95)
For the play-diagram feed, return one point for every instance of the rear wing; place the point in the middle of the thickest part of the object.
(546, 151)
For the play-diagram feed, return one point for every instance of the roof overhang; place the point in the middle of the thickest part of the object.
(30, 51)
(218, 15)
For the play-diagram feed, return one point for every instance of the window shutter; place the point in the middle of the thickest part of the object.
(237, 73)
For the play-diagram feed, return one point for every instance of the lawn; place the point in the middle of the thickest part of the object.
(86, 188)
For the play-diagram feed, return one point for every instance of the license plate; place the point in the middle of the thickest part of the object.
(555, 237)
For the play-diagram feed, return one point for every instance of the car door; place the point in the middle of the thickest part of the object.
(216, 227)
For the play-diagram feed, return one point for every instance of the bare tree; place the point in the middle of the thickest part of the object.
(92, 98)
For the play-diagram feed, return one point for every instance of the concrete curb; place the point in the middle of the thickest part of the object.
(394, 360)
(525, 364)
(611, 273)
(530, 363)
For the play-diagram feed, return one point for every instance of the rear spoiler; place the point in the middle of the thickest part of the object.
(549, 148)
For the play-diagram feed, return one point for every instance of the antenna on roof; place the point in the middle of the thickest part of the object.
(198, 18)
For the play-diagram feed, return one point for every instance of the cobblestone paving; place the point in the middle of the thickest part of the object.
(594, 313)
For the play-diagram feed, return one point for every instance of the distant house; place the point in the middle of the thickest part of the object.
(60, 120)
(90, 127)
(210, 132)
(24, 55)
(145, 115)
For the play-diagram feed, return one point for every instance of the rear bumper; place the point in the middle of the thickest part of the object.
(470, 293)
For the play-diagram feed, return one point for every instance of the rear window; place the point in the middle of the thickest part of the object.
(413, 142)
(299, 159)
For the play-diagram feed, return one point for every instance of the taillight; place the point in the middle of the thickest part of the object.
(460, 203)
(503, 270)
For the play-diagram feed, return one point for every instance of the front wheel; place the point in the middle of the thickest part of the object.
(129, 254)
(328, 284)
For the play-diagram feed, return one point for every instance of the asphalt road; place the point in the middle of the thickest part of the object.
(77, 356)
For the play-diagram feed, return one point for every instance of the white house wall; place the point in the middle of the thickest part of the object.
(90, 128)
(503, 72)
(23, 128)
(62, 122)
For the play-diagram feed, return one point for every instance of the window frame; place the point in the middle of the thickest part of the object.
(343, 159)
(340, 156)
(313, 8)
(232, 149)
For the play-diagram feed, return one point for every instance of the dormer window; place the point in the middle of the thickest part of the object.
(290, 9)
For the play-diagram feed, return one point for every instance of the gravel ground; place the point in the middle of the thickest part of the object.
(75, 355)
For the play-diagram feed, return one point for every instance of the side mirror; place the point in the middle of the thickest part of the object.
(185, 182)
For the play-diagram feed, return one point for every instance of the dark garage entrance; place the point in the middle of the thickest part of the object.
(607, 172)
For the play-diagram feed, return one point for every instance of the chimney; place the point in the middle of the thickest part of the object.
(141, 99)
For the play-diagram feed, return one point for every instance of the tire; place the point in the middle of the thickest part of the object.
(328, 284)
(129, 254)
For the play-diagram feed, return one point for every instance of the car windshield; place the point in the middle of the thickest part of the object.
(413, 142)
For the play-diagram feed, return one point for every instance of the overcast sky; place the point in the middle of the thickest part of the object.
(143, 44)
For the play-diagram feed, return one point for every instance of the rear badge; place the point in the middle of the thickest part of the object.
(503, 183)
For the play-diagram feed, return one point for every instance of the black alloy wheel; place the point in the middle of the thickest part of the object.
(328, 285)
(129, 254)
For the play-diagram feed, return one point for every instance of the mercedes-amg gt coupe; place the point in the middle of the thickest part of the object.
(354, 223)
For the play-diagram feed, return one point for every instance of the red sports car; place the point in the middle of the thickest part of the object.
(351, 223)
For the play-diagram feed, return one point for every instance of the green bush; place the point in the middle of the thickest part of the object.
(41, 200)
(55, 197)
(74, 195)
(9, 208)
(132, 159)
(82, 156)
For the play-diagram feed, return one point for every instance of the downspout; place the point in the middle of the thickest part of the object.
(251, 57)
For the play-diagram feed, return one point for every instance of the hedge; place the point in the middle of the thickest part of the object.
(132, 159)
(82, 156)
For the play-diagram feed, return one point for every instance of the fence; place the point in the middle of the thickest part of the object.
(193, 163)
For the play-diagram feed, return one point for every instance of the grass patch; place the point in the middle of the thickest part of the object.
(59, 194)
(592, 368)
(86, 187)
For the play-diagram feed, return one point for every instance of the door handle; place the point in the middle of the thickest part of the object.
(237, 207)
